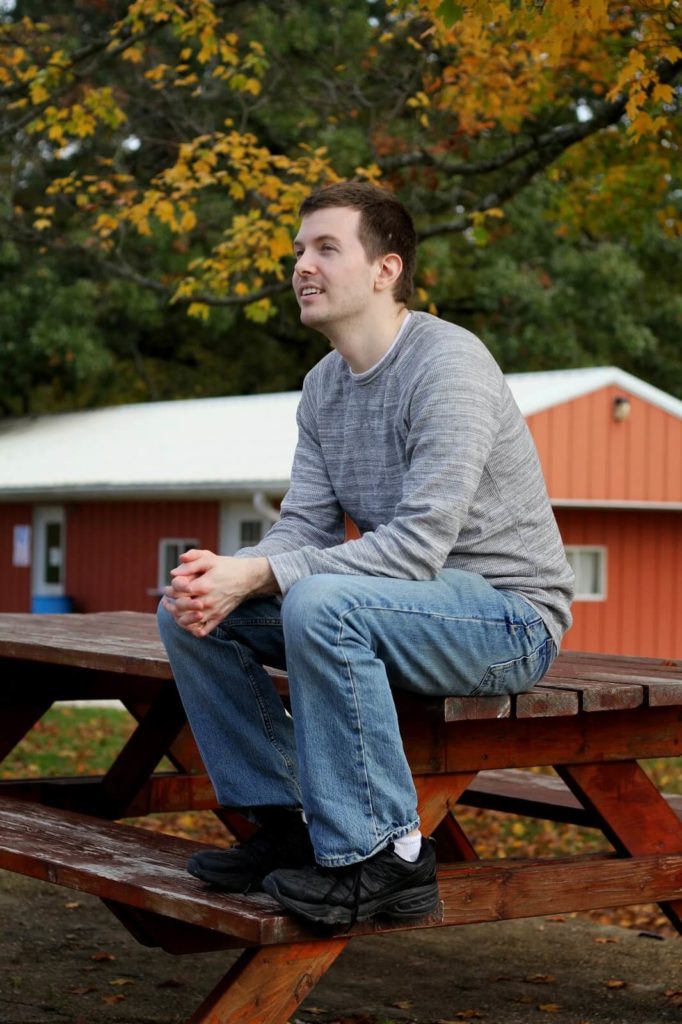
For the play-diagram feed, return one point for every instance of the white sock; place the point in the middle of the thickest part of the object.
(409, 847)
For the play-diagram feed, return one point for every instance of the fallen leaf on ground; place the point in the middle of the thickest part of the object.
(113, 999)
(122, 981)
(549, 1007)
(81, 990)
(72, 905)
(603, 939)
(675, 994)
(402, 1004)
(102, 956)
(540, 979)
(461, 1015)
(557, 918)
(615, 983)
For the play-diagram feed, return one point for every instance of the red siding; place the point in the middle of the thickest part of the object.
(587, 455)
(16, 590)
(112, 549)
(642, 614)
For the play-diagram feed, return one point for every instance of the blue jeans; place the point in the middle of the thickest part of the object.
(345, 641)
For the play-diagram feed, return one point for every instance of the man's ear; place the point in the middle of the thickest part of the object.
(390, 268)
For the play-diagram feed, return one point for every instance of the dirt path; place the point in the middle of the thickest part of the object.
(64, 959)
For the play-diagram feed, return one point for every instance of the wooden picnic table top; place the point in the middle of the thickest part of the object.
(128, 643)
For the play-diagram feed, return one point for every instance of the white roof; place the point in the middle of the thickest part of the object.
(535, 392)
(204, 445)
(213, 445)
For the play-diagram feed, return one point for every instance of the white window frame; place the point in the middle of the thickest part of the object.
(43, 515)
(602, 552)
(232, 514)
(184, 543)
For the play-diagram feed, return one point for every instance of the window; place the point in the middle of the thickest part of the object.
(170, 549)
(250, 532)
(589, 566)
(49, 549)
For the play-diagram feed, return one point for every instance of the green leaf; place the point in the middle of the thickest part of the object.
(450, 12)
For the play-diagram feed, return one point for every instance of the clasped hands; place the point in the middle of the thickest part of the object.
(206, 587)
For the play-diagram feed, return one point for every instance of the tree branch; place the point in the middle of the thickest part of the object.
(556, 139)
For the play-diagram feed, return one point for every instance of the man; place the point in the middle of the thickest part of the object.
(457, 585)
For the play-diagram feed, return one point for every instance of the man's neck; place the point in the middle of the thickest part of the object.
(363, 345)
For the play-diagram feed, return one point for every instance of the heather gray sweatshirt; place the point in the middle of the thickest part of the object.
(429, 455)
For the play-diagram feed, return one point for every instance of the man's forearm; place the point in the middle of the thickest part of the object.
(262, 577)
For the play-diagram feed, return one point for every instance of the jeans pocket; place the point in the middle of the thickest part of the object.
(519, 674)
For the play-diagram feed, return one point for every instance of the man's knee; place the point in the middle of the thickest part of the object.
(316, 603)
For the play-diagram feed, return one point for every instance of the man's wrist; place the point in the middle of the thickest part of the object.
(263, 578)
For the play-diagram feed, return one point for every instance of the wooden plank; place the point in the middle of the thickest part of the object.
(117, 641)
(533, 795)
(507, 889)
(146, 870)
(531, 742)
(546, 702)
(616, 663)
(22, 679)
(599, 696)
(464, 709)
(658, 691)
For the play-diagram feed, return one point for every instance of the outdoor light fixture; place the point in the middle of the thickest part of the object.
(621, 408)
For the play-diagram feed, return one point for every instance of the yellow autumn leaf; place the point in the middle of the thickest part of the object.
(39, 93)
(280, 244)
(199, 310)
(165, 211)
(663, 93)
(188, 220)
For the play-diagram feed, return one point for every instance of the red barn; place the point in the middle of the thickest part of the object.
(96, 506)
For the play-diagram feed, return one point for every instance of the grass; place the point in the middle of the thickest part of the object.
(73, 740)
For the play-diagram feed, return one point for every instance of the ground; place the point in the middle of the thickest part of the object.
(64, 959)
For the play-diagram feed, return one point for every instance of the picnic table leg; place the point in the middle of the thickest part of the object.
(266, 984)
(631, 812)
(17, 721)
(437, 796)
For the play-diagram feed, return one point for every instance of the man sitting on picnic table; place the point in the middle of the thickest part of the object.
(458, 584)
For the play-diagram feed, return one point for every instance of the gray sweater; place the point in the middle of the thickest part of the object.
(429, 455)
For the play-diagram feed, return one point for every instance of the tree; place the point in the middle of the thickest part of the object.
(168, 143)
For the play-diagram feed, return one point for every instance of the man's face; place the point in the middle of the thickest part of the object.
(333, 279)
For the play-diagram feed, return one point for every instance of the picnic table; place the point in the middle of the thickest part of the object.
(593, 718)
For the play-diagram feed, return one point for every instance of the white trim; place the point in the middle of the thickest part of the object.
(184, 542)
(42, 516)
(535, 392)
(599, 549)
(662, 506)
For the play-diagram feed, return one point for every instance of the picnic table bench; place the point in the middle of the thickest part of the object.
(592, 718)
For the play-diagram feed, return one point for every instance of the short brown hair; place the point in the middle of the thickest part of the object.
(385, 225)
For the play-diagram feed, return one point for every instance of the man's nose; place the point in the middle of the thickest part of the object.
(305, 264)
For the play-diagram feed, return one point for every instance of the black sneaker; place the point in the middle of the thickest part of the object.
(281, 842)
(383, 885)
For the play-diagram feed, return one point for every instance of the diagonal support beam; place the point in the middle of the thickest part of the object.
(266, 985)
(630, 810)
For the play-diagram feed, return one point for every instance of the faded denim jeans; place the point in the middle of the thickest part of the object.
(345, 641)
